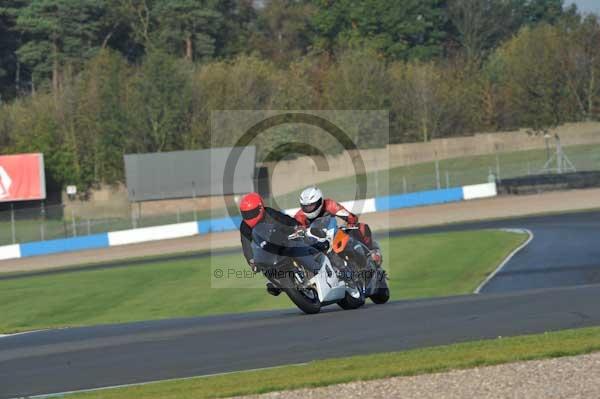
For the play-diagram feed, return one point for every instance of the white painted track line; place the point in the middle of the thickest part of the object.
(508, 258)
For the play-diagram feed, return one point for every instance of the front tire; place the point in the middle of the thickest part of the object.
(382, 294)
(349, 302)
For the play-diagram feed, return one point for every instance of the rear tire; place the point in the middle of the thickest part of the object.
(305, 304)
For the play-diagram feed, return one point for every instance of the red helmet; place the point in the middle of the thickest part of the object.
(252, 209)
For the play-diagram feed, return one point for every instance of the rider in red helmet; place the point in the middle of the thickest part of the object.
(254, 212)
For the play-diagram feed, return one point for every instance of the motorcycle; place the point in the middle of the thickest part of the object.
(300, 264)
(370, 278)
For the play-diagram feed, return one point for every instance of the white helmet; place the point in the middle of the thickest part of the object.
(311, 202)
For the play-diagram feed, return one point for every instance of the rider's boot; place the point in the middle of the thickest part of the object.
(375, 254)
(271, 289)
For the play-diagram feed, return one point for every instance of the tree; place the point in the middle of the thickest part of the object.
(189, 25)
(246, 83)
(283, 31)
(101, 117)
(36, 128)
(548, 11)
(160, 104)
(580, 63)
(10, 40)
(431, 100)
(417, 98)
(233, 38)
(532, 75)
(481, 24)
(400, 29)
(59, 32)
(358, 82)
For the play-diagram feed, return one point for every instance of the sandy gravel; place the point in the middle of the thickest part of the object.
(500, 207)
(569, 377)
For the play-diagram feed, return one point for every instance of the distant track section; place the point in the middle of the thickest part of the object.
(565, 251)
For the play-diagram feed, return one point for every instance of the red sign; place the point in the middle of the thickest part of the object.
(22, 177)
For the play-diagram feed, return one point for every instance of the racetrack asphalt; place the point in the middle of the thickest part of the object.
(565, 251)
(557, 272)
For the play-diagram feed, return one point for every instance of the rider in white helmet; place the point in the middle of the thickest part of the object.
(313, 206)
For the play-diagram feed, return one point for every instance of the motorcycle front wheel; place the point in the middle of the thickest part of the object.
(382, 294)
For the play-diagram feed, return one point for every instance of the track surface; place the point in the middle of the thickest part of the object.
(564, 252)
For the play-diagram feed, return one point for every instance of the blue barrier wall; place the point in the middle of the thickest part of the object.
(421, 198)
(64, 245)
(382, 204)
(221, 224)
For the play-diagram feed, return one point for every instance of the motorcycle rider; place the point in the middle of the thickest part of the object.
(253, 212)
(313, 206)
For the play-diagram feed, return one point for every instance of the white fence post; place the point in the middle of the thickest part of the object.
(74, 224)
(12, 224)
(437, 174)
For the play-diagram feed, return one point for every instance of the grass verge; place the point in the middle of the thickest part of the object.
(336, 371)
(419, 266)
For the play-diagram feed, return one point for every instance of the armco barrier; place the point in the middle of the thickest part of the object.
(380, 204)
(422, 198)
(477, 191)
(64, 245)
(217, 225)
(145, 234)
(10, 252)
(360, 206)
(549, 182)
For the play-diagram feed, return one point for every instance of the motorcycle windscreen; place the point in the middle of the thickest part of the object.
(324, 222)
(265, 253)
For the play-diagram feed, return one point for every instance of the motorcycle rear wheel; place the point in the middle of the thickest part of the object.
(303, 302)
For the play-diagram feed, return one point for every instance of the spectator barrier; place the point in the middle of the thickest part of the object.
(134, 236)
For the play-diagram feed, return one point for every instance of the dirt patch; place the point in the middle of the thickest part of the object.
(501, 207)
(570, 377)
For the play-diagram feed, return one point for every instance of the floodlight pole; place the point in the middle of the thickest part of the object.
(559, 158)
(547, 138)
(563, 163)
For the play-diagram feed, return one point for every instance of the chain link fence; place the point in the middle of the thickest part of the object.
(457, 172)
(52, 222)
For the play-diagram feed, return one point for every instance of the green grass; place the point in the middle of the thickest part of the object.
(419, 266)
(336, 371)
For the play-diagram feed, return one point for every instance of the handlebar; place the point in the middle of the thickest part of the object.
(297, 234)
